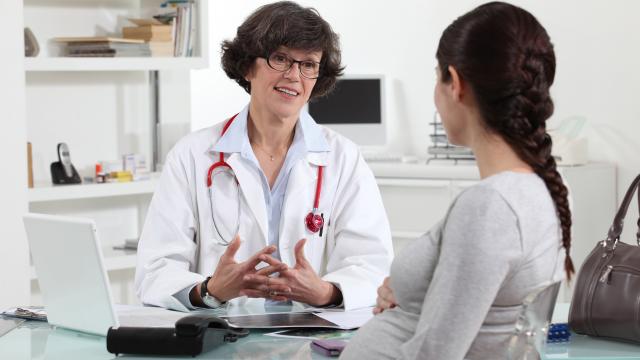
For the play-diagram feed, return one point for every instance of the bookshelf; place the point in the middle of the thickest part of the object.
(103, 108)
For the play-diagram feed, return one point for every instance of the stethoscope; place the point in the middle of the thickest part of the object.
(313, 221)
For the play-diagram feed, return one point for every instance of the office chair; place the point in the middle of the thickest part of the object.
(530, 335)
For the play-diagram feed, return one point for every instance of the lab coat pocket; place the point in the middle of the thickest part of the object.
(317, 242)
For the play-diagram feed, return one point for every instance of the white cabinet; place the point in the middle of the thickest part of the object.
(103, 108)
(413, 205)
(416, 196)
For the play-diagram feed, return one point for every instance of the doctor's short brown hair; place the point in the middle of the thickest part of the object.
(283, 23)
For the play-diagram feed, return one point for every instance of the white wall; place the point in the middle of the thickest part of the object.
(597, 46)
(14, 255)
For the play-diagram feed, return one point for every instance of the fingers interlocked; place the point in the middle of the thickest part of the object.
(259, 283)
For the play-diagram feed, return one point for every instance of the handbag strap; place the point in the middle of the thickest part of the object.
(618, 221)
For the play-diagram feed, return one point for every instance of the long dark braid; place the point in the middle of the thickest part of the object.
(507, 58)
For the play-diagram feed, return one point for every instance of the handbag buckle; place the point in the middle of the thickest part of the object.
(605, 244)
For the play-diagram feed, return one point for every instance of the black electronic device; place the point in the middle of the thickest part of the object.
(62, 171)
(191, 335)
(355, 109)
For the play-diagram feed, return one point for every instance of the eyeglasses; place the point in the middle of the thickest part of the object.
(281, 62)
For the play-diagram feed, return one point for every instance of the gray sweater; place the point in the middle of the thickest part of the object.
(460, 286)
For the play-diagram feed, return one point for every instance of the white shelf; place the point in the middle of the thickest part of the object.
(88, 191)
(113, 64)
(113, 260)
(425, 171)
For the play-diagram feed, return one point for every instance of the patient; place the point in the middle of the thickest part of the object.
(456, 292)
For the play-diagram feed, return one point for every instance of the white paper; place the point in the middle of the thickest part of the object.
(144, 316)
(313, 334)
(351, 319)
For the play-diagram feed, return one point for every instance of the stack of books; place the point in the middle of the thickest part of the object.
(185, 28)
(157, 35)
(101, 46)
(183, 19)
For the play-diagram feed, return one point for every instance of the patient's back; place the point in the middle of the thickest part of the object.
(459, 287)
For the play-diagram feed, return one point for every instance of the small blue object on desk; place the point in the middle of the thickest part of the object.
(558, 333)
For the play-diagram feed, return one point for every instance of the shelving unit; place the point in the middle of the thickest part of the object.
(103, 108)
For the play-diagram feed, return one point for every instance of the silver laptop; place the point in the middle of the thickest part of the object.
(74, 284)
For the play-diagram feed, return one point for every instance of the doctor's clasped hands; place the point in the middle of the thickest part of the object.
(298, 283)
(228, 280)
(232, 279)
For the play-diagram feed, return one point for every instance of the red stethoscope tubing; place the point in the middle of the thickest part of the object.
(313, 221)
(220, 162)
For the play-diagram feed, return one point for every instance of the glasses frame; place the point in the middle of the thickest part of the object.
(292, 61)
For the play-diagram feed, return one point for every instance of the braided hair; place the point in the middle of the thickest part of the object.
(507, 58)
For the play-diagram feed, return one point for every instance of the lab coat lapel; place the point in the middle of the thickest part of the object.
(299, 197)
(251, 191)
(302, 180)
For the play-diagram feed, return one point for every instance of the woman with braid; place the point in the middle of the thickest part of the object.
(456, 292)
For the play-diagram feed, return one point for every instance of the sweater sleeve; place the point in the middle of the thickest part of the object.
(480, 244)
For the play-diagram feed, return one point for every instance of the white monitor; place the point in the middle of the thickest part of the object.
(355, 109)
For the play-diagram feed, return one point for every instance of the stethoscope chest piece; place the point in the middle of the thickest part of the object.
(314, 222)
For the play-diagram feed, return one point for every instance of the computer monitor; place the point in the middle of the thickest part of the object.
(355, 109)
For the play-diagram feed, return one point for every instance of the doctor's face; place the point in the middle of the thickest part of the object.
(282, 93)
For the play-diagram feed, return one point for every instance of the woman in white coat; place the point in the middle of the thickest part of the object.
(267, 204)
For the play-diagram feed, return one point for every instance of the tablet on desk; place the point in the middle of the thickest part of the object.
(279, 320)
(344, 320)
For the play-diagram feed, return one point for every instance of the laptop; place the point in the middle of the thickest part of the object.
(75, 288)
(73, 281)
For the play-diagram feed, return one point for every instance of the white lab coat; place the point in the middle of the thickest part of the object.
(179, 246)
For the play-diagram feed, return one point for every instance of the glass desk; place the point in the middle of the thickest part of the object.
(37, 340)
(44, 342)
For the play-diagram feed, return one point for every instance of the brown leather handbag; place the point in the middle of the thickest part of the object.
(606, 299)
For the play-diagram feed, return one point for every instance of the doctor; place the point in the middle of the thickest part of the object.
(267, 204)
